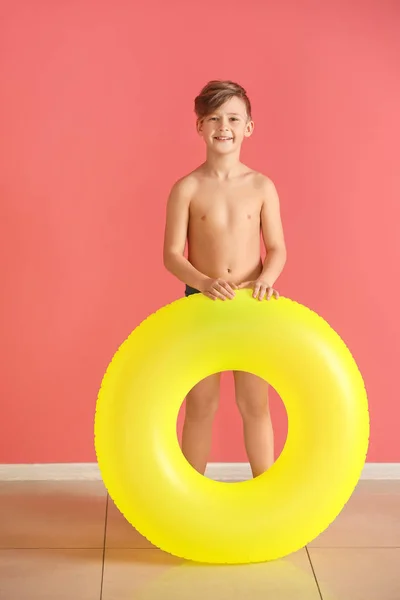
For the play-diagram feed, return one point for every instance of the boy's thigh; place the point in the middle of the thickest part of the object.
(245, 384)
(208, 387)
(248, 385)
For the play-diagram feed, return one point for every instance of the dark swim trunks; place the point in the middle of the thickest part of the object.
(189, 291)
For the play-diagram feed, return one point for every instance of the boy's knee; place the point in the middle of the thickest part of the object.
(201, 407)
(253, 406)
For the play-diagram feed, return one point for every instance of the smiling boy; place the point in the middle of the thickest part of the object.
(220, 209)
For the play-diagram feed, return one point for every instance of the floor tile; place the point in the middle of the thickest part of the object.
(57, 514)
(120, 533)
(357, 573)
(155, 575)
(378, 486)
(371, 518)
(50, 574)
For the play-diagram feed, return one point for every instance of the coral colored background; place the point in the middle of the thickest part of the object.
(97, 122)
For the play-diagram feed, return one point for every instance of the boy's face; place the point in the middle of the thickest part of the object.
(229, 123)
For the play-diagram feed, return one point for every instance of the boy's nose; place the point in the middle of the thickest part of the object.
(223, 123)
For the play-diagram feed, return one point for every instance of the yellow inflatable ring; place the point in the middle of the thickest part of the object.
(265, 518)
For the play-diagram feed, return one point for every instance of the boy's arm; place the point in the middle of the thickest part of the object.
(272, 232)
(176, 226)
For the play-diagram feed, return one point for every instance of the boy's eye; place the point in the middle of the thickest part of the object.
(232, 118)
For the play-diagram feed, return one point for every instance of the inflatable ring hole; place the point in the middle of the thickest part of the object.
(221, 402)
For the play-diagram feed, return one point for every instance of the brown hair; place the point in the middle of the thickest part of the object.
(216, 93)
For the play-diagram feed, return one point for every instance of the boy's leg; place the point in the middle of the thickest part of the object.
(201, 405)
(252, 400)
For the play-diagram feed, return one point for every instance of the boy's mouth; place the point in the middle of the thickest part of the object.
(223, 139)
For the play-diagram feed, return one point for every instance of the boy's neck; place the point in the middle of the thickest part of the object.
(222, 167)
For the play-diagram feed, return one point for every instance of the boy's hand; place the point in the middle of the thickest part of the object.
(218, 288)
(260, 287)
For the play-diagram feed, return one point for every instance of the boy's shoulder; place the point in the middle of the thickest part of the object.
(261, 178)
(187, 183)
(264, 183)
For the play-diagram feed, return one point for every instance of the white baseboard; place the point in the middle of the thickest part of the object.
(217, 471)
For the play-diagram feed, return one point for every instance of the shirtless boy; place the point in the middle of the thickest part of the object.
(221, 208)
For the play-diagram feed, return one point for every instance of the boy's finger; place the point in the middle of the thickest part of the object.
(262, 293)
(226, 290)
(223, 293)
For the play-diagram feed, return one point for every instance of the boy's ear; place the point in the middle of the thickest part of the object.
(249, 129)
(199, 125)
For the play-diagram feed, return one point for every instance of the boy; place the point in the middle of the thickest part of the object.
(220, 208)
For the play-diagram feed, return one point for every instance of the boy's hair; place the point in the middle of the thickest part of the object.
(216, 93)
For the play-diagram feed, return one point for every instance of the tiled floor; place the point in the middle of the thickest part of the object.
(67, 541)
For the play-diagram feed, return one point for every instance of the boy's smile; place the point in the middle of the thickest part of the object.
(226, 126)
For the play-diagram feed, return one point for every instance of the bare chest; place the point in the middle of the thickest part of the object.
(226, 207)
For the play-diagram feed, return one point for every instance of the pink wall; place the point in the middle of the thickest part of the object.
(96, 110)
